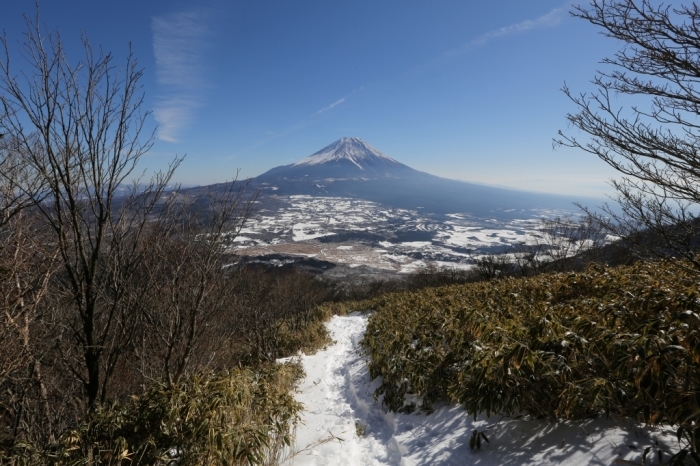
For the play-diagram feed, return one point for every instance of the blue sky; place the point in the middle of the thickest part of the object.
(459, 88)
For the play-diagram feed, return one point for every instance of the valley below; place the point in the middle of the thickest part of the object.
(344, 237)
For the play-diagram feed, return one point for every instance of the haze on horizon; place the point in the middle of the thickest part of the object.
(464, 90)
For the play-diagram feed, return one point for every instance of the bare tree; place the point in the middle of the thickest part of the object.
(273, 305)
(490, 266)
(19, 185)
(188, 294)
(77, 136)
(26, 265)
(558, 244)
(529, 259)
(564, 239)
(655, 141)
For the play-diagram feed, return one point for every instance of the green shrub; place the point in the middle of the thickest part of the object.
(239, 417)
(620, 341)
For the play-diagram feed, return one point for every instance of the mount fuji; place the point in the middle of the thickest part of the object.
(351, 168)
(353, 150)
(346, 158)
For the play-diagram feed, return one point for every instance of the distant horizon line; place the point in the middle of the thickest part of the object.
(601, 198)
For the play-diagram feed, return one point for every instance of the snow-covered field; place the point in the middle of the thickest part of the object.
(356, 232)
(343, 425)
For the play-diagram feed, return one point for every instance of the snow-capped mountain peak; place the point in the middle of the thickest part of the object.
(354, 150)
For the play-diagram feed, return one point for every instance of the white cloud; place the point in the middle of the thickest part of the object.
(179, 41)
(339, 101)
(334, 104)
(172, 114)
(551, 19)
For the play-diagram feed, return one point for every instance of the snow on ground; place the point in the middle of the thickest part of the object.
(343, 425)
(453, 238)
(306, 231)
(409, 239)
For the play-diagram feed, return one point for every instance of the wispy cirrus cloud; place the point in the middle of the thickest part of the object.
(310, 120)
(179, 42)
(339, 101)
(551, 19)
(334, 104)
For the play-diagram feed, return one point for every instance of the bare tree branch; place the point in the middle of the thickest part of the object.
(654, 141)
(77, 135)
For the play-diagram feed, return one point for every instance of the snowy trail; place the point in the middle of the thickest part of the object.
(337, 396)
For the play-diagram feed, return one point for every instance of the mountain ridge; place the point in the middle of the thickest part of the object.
(349, 167)
(351, 149)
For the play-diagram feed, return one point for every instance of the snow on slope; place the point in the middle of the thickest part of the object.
(354, 150)
(337, 395)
